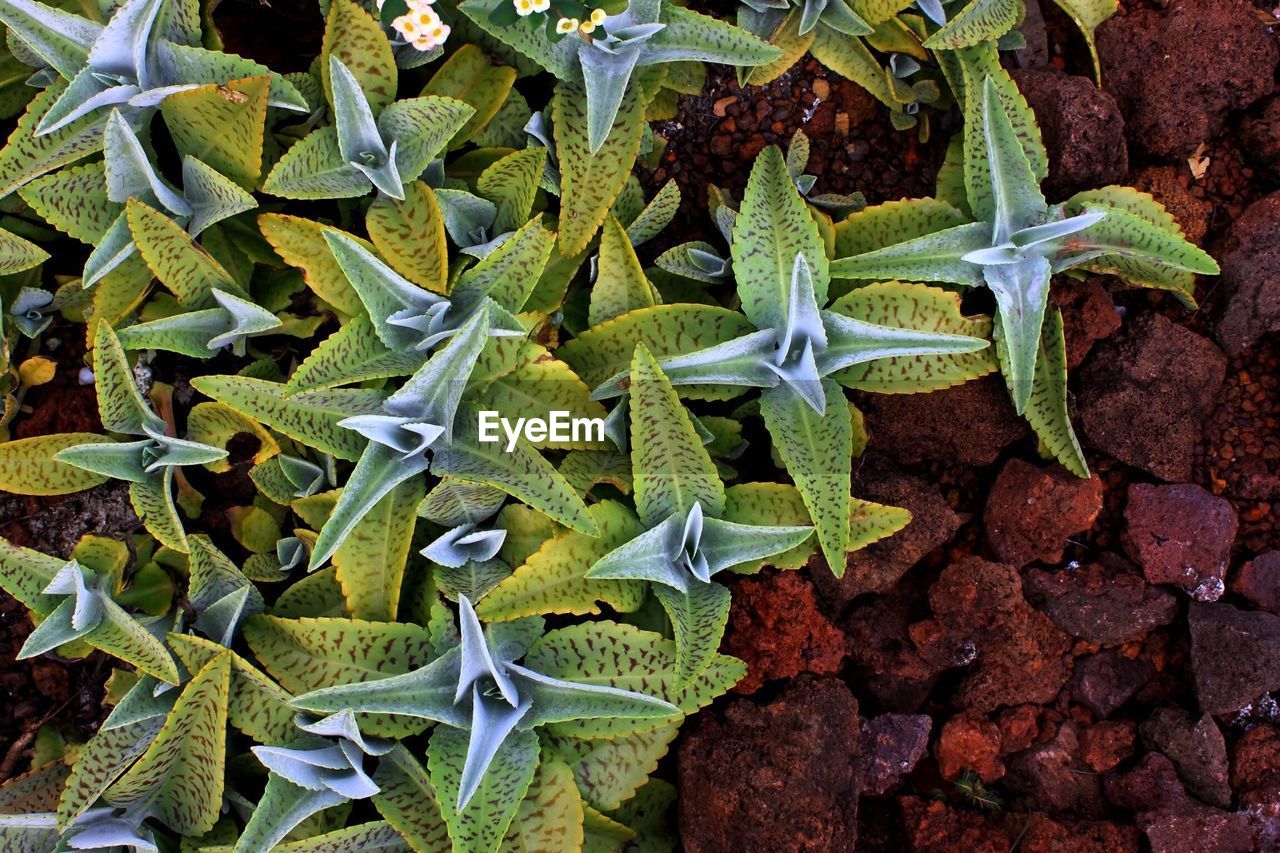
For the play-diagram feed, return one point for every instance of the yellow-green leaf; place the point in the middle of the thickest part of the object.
(27, 466)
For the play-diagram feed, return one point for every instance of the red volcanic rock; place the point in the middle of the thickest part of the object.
(1255, 766)
(1259, 581)
(1180, 535)
(1050, 777)
(1105, 744)
(1032, 510)
(891, 746)
(1250, 260)
(969, 742)
(1197, 750)
(1104, 602)
(1088, 314)
(1235, 655)
(1105, 681)
(932, 825)
(1039, 834)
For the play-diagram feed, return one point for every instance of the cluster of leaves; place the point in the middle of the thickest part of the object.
(392, 630)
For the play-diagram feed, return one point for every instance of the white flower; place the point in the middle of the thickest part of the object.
(422, 27)
(541, 5)
(597, 16)
(525, 8)
(566, 25)
(587, 27)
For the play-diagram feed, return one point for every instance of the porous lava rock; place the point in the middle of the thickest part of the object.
(1196, 748)
(1012, 652)
(935, 825)
(776, 627)
(1050, 777)
(1169, 185)
(1260, 135)
(1031, 510)
(1180, 535)
(1177, 73)
(969, 743)
(1088, 314)
(891, 746)
(1259, 581)
(1255, 766)
(779, 776)
(966, 425)
(1104, 681)
(1235, 655)
(1250, 281)
(1105, 602)
(1040, 834)
(1105, 744)
(878, 566)
(1146, 392)
(888, 665)
(1082, 128)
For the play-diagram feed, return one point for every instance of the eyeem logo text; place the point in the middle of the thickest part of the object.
(559, 426)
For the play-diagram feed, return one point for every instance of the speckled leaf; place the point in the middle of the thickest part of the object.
(512, 184)
(373, 837)
(317, 595)
(480, 826)
(453, 502)
(27, 466)
(656, 215)
(410, 236)
(1047, 407)
(893, 222)
(24, 574)
(508, 274)
(352, 354)
(37, 790)
(198, 66)
(101, 761)
(539, 385)
(522, 473)
(769, 504)
(787, 38)
(26, 156)
(1089, 15)
(878, 11)
(648, 814)
(314, 168)
(698, 619)
(74, 201)
(120, 403)
(814, 449)
(611, 770)
(605, 351)
(256, 705)
(977, 22)
(621, 285)
(928, 309)
(408, 801)
(179, 778)
(300, 242)
(672, 469)
(152, 501)
(550, 815)
(586, 469)
(352, 35)
(932, 257)
(603, 834)
(307, 654)
(690, 35)
(470, 77)
(310, 417)
(772, 227)
(559, 58)
(590, 182)
(222, 126)
(610, 654)
(185, 268)
(123, 637)
(119, 294)
(372, 558)
(216, 424)
(851, 59)
(553, 580)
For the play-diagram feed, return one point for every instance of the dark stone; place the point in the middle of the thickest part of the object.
(1259, 581)
(1104, 681)
(1198, 831)
(779, 776)
(1235, 655)
(1104, 602)
(1176, 74)
(1082, 128)
(1260, 135)
(1039, 834)
(1146, 392)
(1032, 510)
(891, 746)
(1255, 766)
(1013, 652)
(1250, 261)
(934, 825)
(880, 645)
(1180, 535)
(1197, 750)
(1050, 777)
(1088, 314)
(1152, 785)
(966, 425)
(878, 566)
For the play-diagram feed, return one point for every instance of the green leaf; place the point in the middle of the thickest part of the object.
(256, 705)
(672, 469)
(179, 778)
(317, 595)
(352, 354)
(24, 574)
(550, 815)
(470, 77)
(851, 59)
(300, 242)
(590, 182)
(927, 309)
(74, 200)
(698, 619)
(408, 801)
(101, 761)
(372, 558)
(512, 185)
(27, 466)
(451, 503)
(364, 838)
(185, 268)
(508, 274)
(314, 168)
(979, 21)
(621, 285)
(153, 502)
(614, 655)
(26, 156)
(552, 580)
(648, 813)
(602, 352)
(609, 771)
(893, 222)
(933, 257)
(1047, 407)
(1089, 15)
(356, 38)
(310, 417)
(769, 504)
(123, 637)
(120, 403)
(480, 826)
(788, 39)
(773, 226)
(410, 235)
(814, 448)
(222, 126)
(307, 654)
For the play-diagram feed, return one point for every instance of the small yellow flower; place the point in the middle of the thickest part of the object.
(586, 28)
(566, 25)
(525, 8)
(598, 16)
(541, 5)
